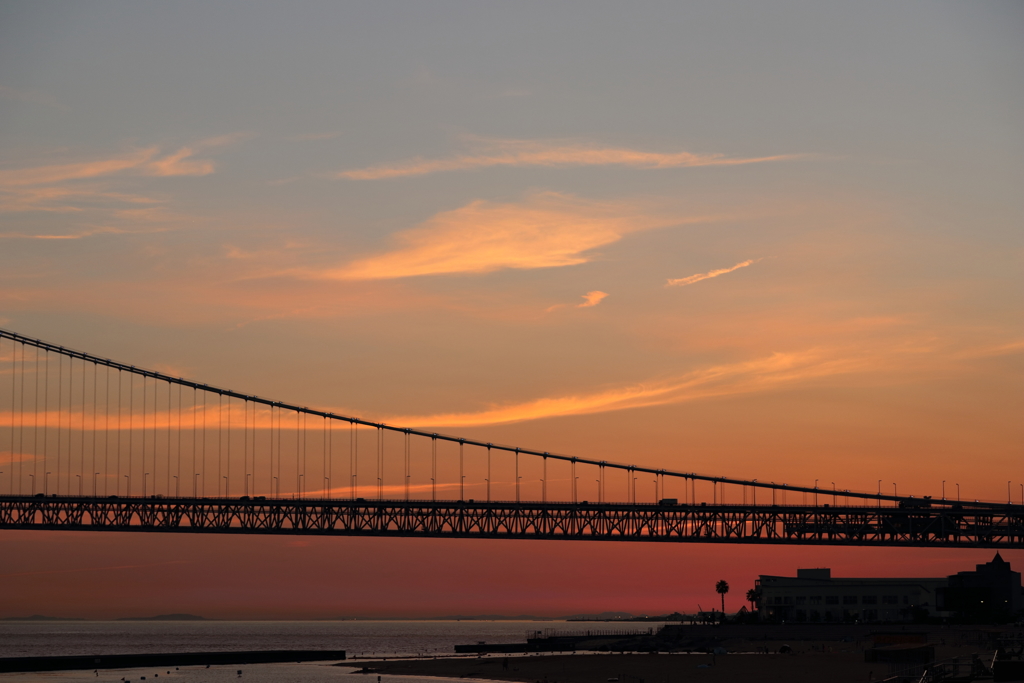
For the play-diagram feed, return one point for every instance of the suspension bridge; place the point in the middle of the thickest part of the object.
(96, 445)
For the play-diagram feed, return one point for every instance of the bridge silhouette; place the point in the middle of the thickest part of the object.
(96, 445)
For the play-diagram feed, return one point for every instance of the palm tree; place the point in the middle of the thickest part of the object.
(722, 587)
(753, 595)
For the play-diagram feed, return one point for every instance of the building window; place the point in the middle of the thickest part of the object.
(815, 599)
(906, 599)
(891, 599)
(870, 615)
(801, 599)
(869, 600)
(828, 615)
(787, 600)
(801, 615)
(815, 615)
(849, 599)
(831, 599)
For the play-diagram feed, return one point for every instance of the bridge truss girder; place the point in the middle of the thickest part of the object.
(799, 525)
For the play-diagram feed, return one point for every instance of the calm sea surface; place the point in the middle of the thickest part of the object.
(357, 638)
(366, 638)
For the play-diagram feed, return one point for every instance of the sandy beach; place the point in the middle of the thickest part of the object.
(839, 667)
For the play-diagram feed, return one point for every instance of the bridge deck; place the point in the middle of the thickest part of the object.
(943, 526)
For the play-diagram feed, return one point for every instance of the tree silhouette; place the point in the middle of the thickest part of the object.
(753, 595)
(722, 587)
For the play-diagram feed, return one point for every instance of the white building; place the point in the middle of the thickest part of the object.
(814, 596)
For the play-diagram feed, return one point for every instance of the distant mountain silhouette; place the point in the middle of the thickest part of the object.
(166, 617)
(603, 616)
(492, 617)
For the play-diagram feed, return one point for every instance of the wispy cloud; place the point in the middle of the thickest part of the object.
(592, 299)
(12, 457)
(179, 163)
(683, 281)
(552, 153)
(545, 231)
(146, 161)
(66, 187)
(779, 370)
(77, 235)
(64, 199)
(720, 380)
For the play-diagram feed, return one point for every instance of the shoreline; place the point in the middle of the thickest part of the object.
(162, 660)
(840, 667)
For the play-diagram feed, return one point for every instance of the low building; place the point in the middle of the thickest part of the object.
(991, 592)
(814, 596)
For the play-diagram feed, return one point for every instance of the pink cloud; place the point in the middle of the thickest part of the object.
(683, 281)
(516, 153)
(547, 230)
(592, 299)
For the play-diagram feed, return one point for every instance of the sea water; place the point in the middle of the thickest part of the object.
(369, 639)
(357, 638)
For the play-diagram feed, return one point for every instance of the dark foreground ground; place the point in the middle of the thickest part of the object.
(818, 667)
(813, 654)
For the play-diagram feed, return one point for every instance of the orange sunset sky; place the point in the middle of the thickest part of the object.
(765, 241)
